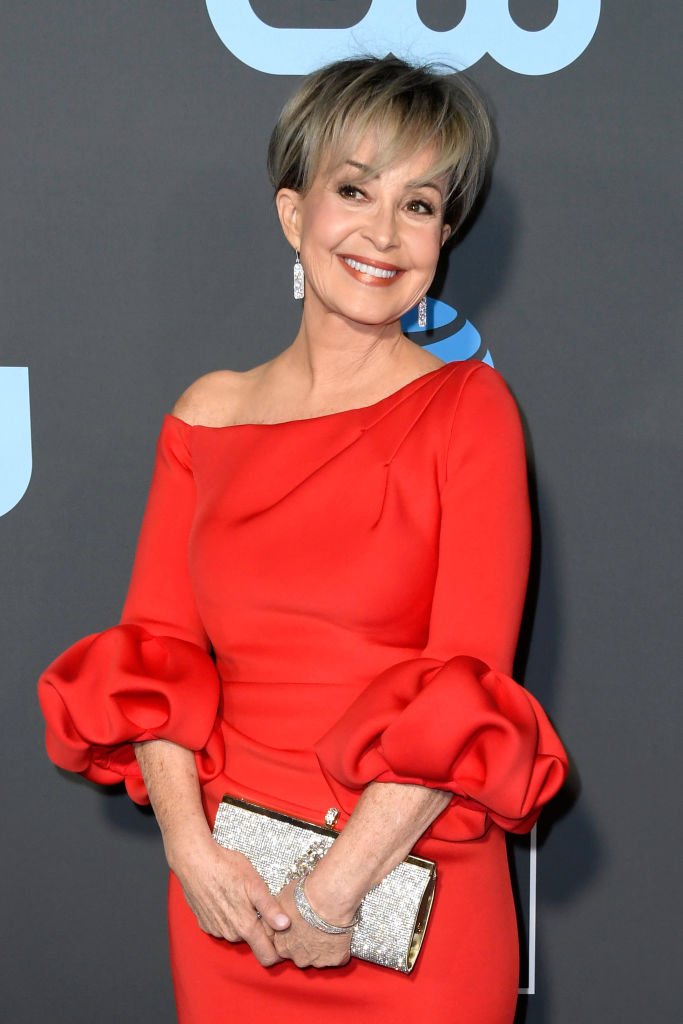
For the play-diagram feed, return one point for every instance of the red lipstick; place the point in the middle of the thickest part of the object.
(368, 271)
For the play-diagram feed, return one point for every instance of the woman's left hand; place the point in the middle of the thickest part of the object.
(305, 945)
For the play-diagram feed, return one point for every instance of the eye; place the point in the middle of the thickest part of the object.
(349, 191)
(420, 206)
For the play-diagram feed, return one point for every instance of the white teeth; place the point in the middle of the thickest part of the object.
(365, 268)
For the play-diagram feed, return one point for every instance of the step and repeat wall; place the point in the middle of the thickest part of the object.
(140, 249)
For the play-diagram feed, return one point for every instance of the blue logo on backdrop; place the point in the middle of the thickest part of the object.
(15, 436)
(453, 337)
(395, 26)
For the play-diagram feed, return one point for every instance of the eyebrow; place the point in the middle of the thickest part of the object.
(425, 184)
(365, 168)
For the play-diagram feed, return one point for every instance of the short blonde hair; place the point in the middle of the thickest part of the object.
(405, 107)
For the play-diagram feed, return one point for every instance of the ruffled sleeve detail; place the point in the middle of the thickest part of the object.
(459, 726)
(124, 685)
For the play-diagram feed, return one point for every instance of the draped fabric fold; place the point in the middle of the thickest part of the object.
(125, 685)
(458, 726)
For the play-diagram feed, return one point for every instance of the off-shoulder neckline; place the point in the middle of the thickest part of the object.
(313, 419)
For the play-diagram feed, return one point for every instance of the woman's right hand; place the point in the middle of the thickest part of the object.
(225, 891)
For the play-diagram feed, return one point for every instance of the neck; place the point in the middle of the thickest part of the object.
(333, 354)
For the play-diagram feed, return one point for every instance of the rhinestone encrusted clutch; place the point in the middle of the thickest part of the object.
(393, 914)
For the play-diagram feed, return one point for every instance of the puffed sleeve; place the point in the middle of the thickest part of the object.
(152, 675)
(453, 718)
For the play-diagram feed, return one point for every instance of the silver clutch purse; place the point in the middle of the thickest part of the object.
(393, 914)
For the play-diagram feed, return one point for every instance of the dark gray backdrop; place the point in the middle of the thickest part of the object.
(140, 249)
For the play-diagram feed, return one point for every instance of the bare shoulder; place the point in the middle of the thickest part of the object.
(210, 400)
(419, 359)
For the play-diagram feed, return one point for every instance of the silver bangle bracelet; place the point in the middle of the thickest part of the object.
(309, 915)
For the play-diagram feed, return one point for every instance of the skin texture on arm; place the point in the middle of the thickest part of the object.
(384, 826)
(222, 888)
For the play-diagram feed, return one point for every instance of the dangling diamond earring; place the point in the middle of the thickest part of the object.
(422, 312)
(298, 278)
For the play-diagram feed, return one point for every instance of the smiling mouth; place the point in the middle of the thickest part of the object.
(384, 272)
(366, 268)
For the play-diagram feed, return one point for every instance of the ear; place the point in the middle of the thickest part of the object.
(446, 231)
(288, 204)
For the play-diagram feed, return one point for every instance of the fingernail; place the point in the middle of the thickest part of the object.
(282, 920)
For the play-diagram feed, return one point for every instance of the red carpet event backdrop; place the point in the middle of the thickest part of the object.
(141, 250)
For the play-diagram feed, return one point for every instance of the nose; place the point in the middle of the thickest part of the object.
(381, 227)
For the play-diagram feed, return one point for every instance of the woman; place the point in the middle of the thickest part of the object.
(326, 596)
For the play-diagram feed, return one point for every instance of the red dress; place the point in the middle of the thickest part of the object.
(316, 604)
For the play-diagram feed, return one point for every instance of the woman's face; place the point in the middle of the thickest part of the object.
(369, 249)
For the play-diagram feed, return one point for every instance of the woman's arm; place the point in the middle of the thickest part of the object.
(385, 824)
(448, 730)
(140, 702)
(452, 718)
(221, 886)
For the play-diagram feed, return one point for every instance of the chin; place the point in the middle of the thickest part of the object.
(367, 317)
(363, 320)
